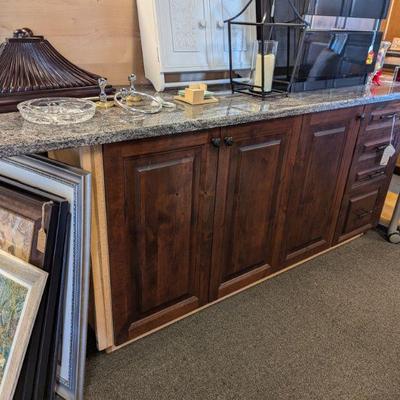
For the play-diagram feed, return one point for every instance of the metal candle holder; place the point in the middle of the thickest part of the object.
(265, 30)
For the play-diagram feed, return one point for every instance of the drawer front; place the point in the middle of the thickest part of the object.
(380, 118)
(360, 211)
(375, 136)
(367, 172)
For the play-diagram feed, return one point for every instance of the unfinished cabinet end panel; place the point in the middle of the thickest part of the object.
(160, 196)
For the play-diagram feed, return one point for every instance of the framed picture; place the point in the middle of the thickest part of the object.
(33, 227)
(74, 185)
(21, 289)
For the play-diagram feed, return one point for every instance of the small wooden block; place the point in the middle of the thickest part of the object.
(202, 86)
(211, 100)
(194, 96)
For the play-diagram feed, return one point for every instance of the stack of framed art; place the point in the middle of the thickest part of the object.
(45, 213)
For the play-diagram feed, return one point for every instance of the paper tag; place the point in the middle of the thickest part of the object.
(41, 242)
(389, 152)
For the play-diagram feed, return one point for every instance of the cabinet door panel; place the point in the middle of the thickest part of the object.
(318, 182)
(164, 198)
(160, 216)
(183, 26)
(243, 37)
(251, 173)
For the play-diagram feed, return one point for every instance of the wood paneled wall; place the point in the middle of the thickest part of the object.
(101, 36)
(392, 27)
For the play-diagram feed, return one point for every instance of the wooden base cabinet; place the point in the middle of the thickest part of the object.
(192, 218)
(195, 217)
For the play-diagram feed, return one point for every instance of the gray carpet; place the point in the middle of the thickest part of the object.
(327, 330)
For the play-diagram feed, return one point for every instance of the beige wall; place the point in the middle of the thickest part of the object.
(393, 25)
(101, 36)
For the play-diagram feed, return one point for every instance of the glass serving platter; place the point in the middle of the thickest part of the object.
(57, 110)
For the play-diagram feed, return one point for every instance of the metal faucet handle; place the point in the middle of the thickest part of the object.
(124, 93)
(132, 79)
(103, 84)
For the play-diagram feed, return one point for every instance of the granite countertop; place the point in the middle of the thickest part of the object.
(114, 125)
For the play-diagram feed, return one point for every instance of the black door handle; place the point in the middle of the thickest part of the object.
(216, 142)
(361, 117)
(229, 141)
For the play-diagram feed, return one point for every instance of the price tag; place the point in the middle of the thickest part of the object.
(389, 152)
(41, 242)
(42, 235)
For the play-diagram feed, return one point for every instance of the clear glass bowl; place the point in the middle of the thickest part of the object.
(57, 110)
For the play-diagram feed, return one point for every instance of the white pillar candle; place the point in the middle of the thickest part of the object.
(269, 68)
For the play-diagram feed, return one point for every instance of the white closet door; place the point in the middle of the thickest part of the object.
(243, 37)
(183, 34)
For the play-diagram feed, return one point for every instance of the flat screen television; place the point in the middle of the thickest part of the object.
(332, 59)
(373, 9)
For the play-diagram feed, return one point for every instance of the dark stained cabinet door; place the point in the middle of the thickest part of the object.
(252, 165)
(160, 206)
(318, 181)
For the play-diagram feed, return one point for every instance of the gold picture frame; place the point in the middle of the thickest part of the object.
(21, 290)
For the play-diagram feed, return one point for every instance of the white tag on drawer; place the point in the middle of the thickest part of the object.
(389, 152)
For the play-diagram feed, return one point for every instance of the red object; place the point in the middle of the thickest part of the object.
(377, 78)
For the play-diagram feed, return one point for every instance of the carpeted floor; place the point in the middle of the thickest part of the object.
(327, 330)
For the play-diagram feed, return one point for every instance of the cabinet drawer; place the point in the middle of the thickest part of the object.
(368, 172)
(361, 209)
(380, 117)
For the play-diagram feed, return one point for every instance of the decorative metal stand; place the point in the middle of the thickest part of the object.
(265, 30)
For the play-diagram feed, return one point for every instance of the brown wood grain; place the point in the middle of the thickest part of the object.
(250, 179)
(391, 26)
(101, 36)
(160, 200)
(323, 159)
(368, 181)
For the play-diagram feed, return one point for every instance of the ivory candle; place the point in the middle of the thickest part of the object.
(269, 68)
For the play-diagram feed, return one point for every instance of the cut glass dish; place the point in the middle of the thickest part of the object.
(57, 110)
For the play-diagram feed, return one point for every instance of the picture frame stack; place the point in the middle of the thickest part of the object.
(62, 194)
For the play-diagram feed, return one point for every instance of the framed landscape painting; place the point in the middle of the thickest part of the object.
(21, 290)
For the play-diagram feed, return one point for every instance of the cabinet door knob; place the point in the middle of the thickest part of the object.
(203, 23)
(220, 24)
(229, 141)
(216, 142)
(361, 117)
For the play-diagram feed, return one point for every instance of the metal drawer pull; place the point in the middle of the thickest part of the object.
(389, 116)
(382, 147)
(364, 213)
(372, 176)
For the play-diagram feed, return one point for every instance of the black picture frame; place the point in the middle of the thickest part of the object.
(38, 374)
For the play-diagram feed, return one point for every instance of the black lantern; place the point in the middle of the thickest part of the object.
(267, 79)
